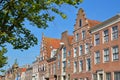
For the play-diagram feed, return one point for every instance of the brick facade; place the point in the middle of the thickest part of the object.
(107, 63)
(92, 53)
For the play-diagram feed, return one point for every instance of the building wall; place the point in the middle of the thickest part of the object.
(78, 41)
(84, 34)
(109, 66)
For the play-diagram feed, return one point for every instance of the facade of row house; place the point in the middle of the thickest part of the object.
(87, 55)
(63, 61)
(81, 55)
(106, 49)
(48, 50)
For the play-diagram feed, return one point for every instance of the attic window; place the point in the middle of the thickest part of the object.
(80, 22)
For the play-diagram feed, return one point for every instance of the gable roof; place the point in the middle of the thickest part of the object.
(51, 43)
(93, 23)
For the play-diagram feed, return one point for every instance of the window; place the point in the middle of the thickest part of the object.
(114, 32)
(115, 53)
(75, 52)
(106, 55)
(64, 52)
(81, 49)
(108, 76)
(106, 36)
(83, 34)
(86, 48)
(77, 37)
(116, 75)
(75, 79)
(53, 52)
(97, 39)
(75, 66)
(64, 66)
(80, 22)
(81, 65)
(69, 53)
(68, 63)
(88, 64)
(81, 78)
(95, 76)
(97, 57)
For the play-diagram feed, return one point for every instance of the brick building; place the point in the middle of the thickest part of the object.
(81, 60)
(63, 61)
(105, 50)
(92, 53)
(48, 50)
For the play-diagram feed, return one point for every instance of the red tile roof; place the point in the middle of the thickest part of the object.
(92, 23)
(51, 43)
(23, 69)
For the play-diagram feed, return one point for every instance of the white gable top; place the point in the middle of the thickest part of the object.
(106, 23)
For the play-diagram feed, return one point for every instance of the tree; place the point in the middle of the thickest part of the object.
(14, 12)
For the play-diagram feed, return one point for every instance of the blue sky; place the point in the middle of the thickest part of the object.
(95, 9)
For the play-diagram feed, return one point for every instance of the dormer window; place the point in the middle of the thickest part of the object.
(80, 23)
(53, 52)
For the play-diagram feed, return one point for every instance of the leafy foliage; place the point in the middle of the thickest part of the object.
(3, 59)
(14, 12)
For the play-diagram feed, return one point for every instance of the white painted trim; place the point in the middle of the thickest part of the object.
(105, 25)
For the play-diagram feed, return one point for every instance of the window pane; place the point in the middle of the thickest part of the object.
(88, 64)
(97, 39)
(83, 34)
(81, 65)
(116, 75)
(81, 50)
(80, 22)
(75, 52)
(115, 53)
(64, 52)
(115, 32)
(86, 48)
(106, 55)
(97, 57)
(108, 76)
(106, 36)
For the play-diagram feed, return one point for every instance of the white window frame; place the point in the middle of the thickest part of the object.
(75, 66)
(106, 35)
(106, 55)
(97, 39)
(88, 64)
(86, 48)
(80, 65)
(80, 50)
(83, 34)
(114, 33)
(97, 57)
(115, 55)
(75, 52)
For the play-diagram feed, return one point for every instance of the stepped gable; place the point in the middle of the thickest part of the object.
(85, 21)
(51, 43)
